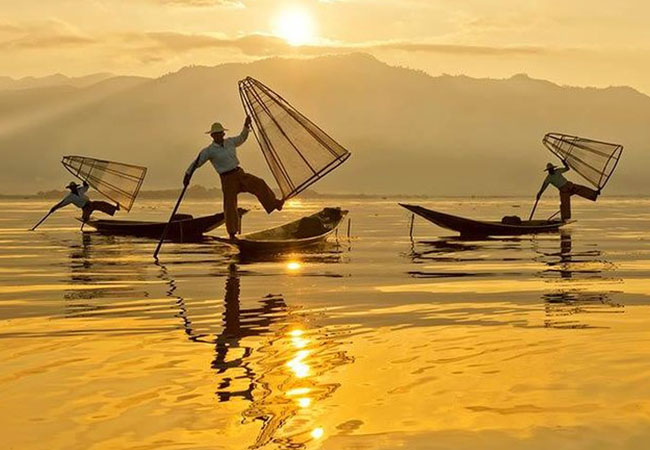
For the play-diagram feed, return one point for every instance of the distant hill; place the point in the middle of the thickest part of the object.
(409, 132)
(52, 80)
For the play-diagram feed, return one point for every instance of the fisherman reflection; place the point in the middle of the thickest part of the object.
(240, 323)
(566, 245)
(278, 376)
(565, 307)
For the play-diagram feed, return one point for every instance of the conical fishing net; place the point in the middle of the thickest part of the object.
(117, 181)
(594, 160)
(297, 151)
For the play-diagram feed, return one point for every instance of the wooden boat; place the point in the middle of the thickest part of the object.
(303, 232)
(470, 227)
(183, 227)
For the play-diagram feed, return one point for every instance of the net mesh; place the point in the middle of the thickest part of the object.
(594, 160)
(118, 182)
(297, 151)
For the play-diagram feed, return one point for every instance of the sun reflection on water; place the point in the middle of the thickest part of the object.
(293, 266)
(297, 366)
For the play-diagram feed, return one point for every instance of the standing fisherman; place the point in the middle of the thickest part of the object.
(78, 197)
(222, 153)
(566, 188)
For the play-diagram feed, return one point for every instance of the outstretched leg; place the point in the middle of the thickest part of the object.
(97, 205)
(585, 192)
(104, 207)
(261, 190)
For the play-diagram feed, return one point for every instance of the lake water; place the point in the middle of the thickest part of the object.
(372, 342)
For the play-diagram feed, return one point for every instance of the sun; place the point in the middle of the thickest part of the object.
(294, 26)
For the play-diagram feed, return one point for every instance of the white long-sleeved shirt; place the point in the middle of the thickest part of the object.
(79, 200)
(556, 179)
(223, 157)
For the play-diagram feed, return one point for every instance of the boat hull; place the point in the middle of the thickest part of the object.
(290, 236)
(183, 229)
(471, 227)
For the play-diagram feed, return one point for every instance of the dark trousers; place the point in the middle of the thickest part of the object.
(570, 189)
(98, 205)
(236, 181)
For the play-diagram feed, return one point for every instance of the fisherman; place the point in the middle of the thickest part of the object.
(566, 188)
(222, 153)
(78, 197)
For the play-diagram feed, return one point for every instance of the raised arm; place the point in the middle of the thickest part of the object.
(239, 140)
(566, 167)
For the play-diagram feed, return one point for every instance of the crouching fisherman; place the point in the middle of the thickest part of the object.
(566, 188)
(78, 197)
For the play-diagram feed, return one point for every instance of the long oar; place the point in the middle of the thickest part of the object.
(41, 221)
(533, 211)
(178, 203)
(164, 233)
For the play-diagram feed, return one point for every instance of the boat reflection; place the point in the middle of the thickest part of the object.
(272, 357)
(568, 275)
(328, 252)
(103, 267)
(456, 257)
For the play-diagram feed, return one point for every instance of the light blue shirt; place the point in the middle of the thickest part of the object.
(556, 179)
(223, 158)
(78, 200)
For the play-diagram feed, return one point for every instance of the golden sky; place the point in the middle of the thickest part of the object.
(579, 42)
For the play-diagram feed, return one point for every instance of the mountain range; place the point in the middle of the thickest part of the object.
(409, 132)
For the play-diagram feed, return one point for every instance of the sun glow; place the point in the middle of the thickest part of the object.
(293, 266)
(294, 26)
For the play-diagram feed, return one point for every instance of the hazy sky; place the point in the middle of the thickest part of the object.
(580, 42)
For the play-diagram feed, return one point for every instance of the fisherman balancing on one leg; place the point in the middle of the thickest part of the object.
(566, 188)
(222, 153)
(78, 197)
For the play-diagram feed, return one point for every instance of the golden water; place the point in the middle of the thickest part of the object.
(374, 342)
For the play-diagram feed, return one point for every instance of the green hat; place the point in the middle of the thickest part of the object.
(216, 128)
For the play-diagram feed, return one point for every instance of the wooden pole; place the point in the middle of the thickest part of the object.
(41, 221)
(164, 233)
(533, 211)
(178, 203)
